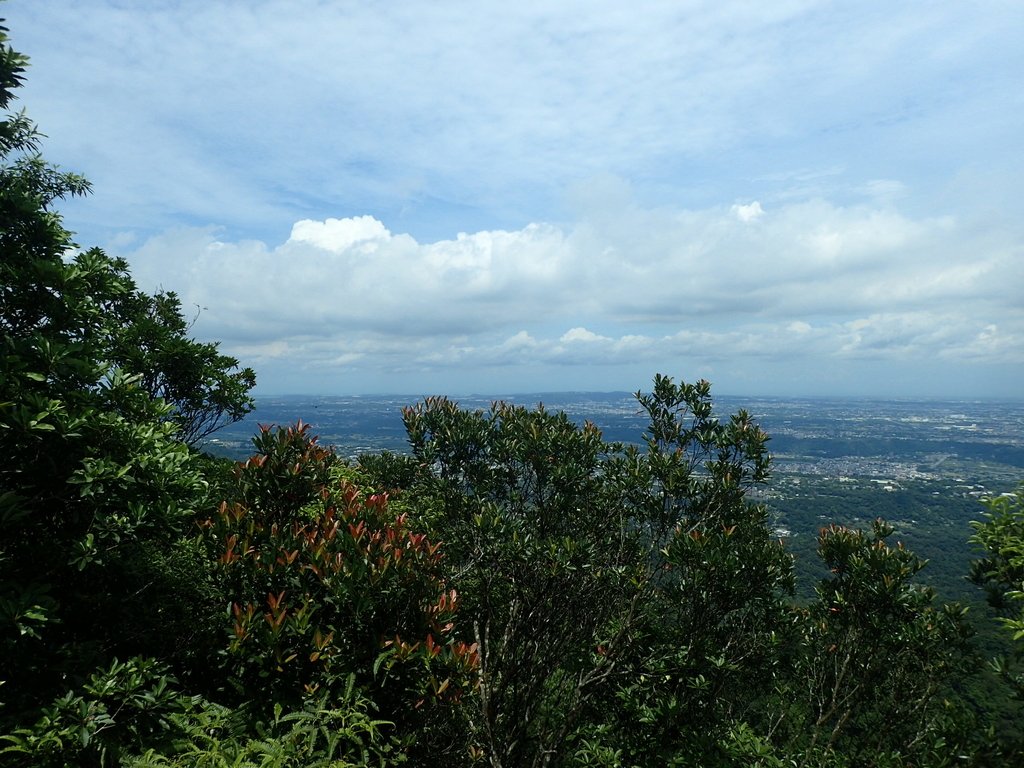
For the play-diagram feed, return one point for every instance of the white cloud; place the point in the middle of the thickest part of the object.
(816, 282)
(750, 212)
(520, 341)
(581, 335)
(339, 235)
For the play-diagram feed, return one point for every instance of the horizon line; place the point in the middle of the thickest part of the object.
(626, 393)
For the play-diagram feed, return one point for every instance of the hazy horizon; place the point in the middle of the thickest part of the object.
(454, 395)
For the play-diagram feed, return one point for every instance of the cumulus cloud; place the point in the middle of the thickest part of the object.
(581, 335)
(815, 281)
(340, 235)
(750, 212)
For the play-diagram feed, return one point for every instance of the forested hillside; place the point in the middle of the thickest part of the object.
(516, 591)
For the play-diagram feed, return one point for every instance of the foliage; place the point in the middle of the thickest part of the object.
(540, 546)
(117, 710)
(340, 732)
(705, 645)
(325, 581)
(1001, 536)
(1001, 571)
(875, 658)
(200, 384)
(96, 485)
(563, 548)
(132, 714)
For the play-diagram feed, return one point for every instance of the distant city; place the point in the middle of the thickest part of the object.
(894, 440)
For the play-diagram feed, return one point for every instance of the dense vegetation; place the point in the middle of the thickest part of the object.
(516, 592)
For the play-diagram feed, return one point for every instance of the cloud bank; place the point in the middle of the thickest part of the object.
(345, 299)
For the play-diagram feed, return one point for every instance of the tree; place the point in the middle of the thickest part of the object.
(203, 387)
(328, 583)
(585, 567)
(1001, 571)
(876, 660)
(704, 651)
(345, 580)
(539, 547)
(96, 486)
(87, 317)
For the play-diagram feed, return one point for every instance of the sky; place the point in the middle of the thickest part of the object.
(797, 197)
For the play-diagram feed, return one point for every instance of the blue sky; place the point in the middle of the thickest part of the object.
(413, 197)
